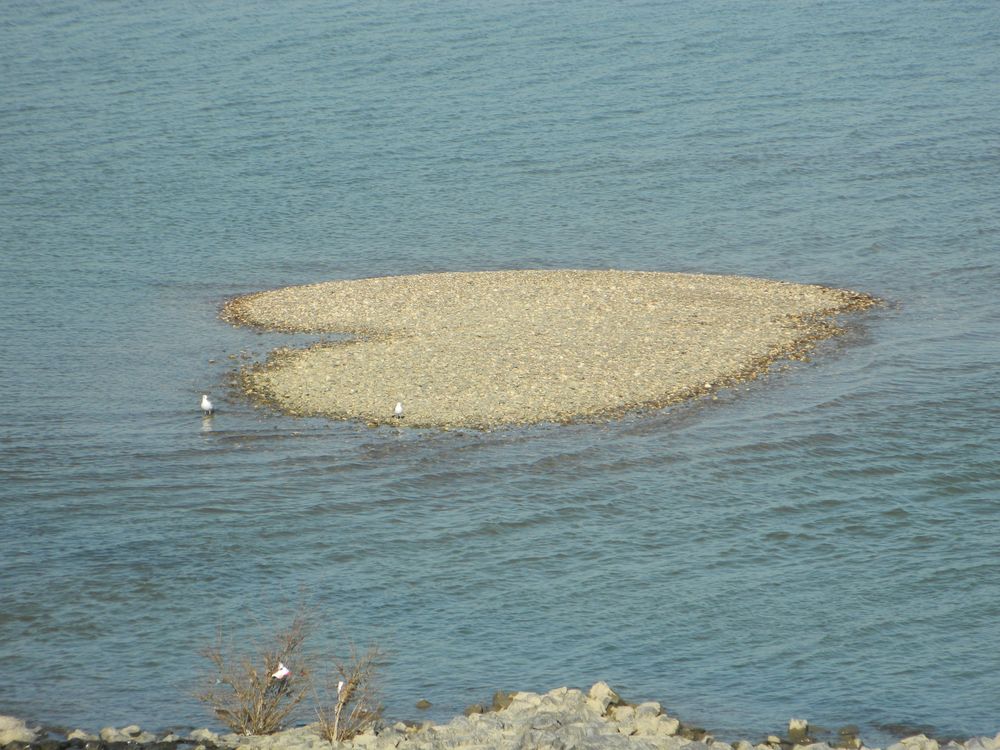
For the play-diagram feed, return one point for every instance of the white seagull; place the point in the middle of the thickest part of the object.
(398, 411)
(206, 405)
(340, 686)
(281, 672)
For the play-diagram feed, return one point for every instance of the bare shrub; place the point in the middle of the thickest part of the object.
(243, 692)
(356, 706)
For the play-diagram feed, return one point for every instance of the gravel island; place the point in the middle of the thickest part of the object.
(496, 348)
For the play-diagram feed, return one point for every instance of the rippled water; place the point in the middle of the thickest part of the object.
(821, 544)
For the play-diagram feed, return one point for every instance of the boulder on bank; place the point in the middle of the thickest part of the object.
(14, 730)
(132, 733)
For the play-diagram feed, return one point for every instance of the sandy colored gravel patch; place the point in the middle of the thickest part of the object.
(517, 347)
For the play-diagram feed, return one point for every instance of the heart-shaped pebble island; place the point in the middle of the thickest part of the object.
(498, 348)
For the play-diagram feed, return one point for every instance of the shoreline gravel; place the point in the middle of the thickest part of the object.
(561, 719)
(491, 349)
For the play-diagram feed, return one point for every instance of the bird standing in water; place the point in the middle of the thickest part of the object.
(206, 405)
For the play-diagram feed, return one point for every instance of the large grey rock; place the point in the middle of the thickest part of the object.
(624, 717)
(205, 735)
(797, 730)
(110, 734)
(601, 696)
(14, 730)
(299, 738)
(366, 741)
(650, 720)
(917, 742)
(523, 701)
(132, 733)
(649, 708)
(921, 742)
(501, 700)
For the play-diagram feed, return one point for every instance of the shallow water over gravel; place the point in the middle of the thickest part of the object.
(820, 544)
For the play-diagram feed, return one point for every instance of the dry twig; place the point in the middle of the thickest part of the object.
(356, 707)
(244, 694)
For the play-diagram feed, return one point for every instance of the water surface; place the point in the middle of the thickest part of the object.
(820, 544)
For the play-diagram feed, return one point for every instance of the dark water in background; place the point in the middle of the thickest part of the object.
(824, 544)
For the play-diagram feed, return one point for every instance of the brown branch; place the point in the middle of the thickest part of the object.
(243, 694)
(356, 706)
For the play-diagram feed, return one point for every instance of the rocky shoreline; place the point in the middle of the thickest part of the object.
(491, 349)
(562, 719)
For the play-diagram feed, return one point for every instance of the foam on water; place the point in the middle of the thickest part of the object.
(820, 544)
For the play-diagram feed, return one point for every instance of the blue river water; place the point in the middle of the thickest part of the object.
(822, 543)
